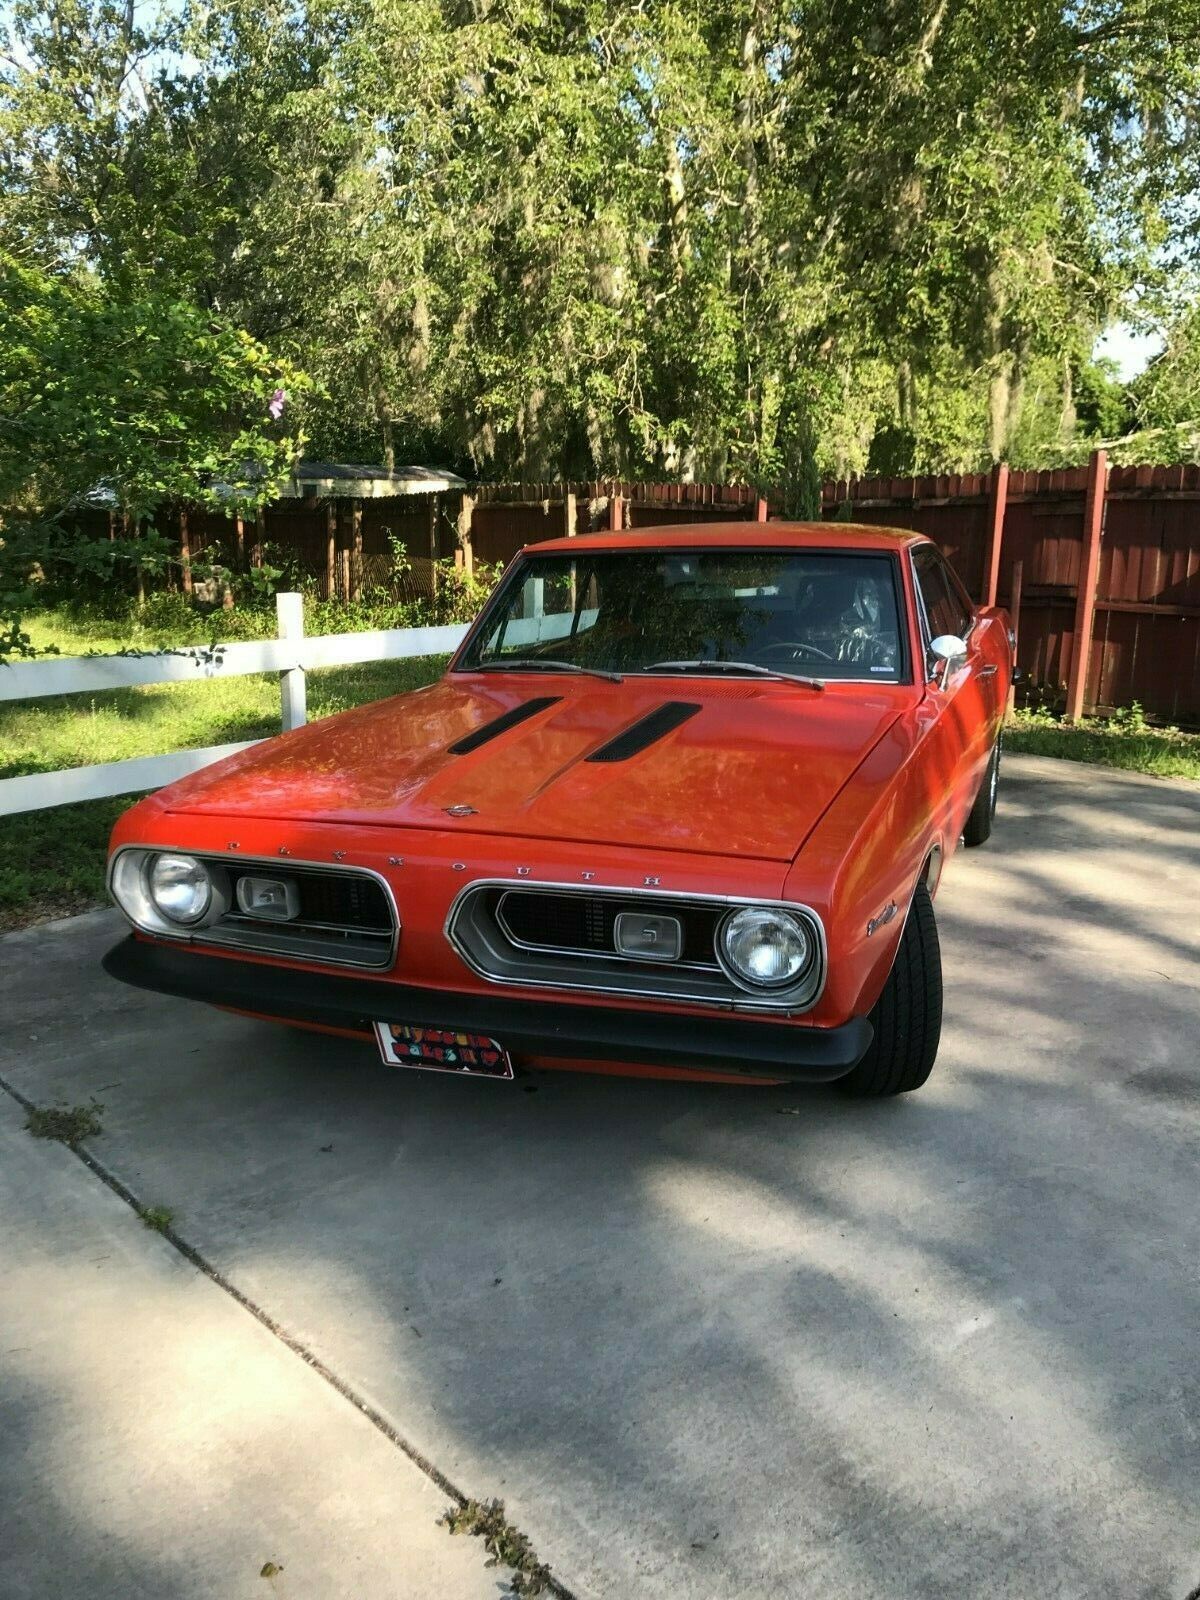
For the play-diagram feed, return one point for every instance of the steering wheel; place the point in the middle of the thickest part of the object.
(794, 645)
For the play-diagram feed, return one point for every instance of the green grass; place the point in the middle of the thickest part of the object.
(52, 862)
(1125, 740)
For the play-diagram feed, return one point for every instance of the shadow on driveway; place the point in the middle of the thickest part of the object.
(937, 1347)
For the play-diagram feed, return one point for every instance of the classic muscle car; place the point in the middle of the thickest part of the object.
(678, 807)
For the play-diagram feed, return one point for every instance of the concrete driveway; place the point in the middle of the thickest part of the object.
(741, 1342)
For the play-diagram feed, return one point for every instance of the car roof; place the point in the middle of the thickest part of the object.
(740, 535)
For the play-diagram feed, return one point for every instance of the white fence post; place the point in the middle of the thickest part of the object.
(289, 610)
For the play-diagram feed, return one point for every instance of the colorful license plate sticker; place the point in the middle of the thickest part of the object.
(442, 1050)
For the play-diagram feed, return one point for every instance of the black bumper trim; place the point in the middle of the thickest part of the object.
(526, 1027)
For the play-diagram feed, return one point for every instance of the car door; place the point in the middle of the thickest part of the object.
(964, 695)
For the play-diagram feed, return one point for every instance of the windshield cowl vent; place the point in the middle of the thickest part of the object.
(647, 730)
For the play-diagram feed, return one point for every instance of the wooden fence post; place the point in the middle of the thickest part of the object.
(1014, 612)
(569, 514)
(616, 506)
(760, 508)
(260, 538)
(330, 549)
(1089, 573)
(997, 509)
(289, 613)
(343, 555)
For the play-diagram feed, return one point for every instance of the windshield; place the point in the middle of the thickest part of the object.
(803, 613)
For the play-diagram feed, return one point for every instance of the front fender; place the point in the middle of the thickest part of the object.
(861, 865)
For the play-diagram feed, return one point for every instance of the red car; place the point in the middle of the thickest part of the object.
(678, 807)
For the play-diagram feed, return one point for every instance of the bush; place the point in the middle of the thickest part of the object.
(458, 596)
(168, 620)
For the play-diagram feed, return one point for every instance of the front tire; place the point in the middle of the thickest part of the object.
(978, 827)
(907, 1018)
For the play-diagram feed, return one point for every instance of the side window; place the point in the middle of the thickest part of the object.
(962, 599)
(946, 605)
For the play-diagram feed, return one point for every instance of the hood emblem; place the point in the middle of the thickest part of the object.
(459, 811)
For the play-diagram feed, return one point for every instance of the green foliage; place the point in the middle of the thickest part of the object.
(70, 1125)
(1102, 402)
(159, 1218)
(133, 398)
(505, 1545)
(52, 862)
(120, 387)
(1126, 739)
(1166, 397)
(713, 238)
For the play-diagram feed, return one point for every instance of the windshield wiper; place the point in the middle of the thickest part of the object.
(542, 664)
(746, 668)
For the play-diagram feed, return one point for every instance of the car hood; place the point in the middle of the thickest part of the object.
(750, 772)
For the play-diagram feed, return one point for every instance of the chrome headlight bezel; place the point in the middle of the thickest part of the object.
(785, 921)
(130, 884)
(488, 951)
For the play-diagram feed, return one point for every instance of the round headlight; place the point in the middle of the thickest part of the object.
(763, 947)
(180, 887)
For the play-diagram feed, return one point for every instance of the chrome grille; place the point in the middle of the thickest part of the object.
(559, 936)
(586, 923)
(346, 916)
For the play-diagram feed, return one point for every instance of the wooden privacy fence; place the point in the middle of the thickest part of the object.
(292, 654)
(1100, 564)
(496, 519)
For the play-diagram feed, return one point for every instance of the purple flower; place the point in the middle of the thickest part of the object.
(278, 401)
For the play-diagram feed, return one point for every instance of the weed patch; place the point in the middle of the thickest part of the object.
(505, 1545)
(159, 1218)
(68, 1124)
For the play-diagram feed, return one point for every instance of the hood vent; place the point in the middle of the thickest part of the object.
(645, 731)
(501, 724)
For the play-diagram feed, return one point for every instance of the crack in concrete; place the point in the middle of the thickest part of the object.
(296, 1346)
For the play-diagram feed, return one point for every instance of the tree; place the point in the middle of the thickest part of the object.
(1166, 397)
(680, 237)
(138, 400)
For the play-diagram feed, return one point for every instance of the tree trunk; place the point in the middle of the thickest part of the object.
(330, 549)
(1068, 418)
(675, 188)
(356, 549)
(139, 575)
(185, 551)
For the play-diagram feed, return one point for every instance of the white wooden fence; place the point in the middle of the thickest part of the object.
(292, 654)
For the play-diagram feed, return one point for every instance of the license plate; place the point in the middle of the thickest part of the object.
(442, 1050)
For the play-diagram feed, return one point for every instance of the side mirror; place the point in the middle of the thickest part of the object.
(949, 650)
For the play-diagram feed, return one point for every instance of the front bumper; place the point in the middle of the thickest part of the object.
(525, 1027)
